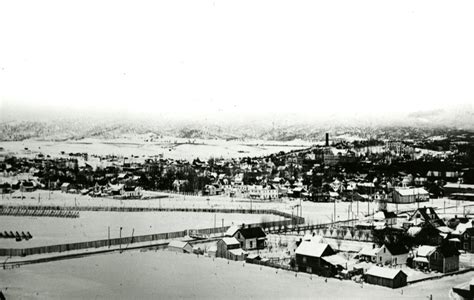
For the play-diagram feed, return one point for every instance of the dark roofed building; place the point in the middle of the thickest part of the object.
(389, 277)
(427, 216)
(251, 237)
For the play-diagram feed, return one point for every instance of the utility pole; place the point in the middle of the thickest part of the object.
(120, 241)
(108, 235)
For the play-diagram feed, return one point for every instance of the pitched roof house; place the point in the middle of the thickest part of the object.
(444, 258)
(308, 257)
(251, 237)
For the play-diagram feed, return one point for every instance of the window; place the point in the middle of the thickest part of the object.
(251, 244)
(304, 259)
(384, 249)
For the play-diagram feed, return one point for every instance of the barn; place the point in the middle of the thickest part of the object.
(410, 195)
(180, 246)
(392, 278)
(309, 257)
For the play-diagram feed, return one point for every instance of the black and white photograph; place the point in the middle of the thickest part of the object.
(251, 149)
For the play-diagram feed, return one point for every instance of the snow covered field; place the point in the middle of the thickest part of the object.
(170, 147)
(167, 275)
(315, 213)
(94, 225)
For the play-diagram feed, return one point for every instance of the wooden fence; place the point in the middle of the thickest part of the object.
(149, 237)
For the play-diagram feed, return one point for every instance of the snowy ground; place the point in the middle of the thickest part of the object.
(314, 213)
(94, 225)
(167, 275)
(137, 146)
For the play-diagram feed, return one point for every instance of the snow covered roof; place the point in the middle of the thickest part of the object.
(177, 244)
(312, 249)
(421, 259)
(336, 260)
(459, 185)
(413, 191)
(384, 272)
(231, 241)
(238, 252)
(461, 228)
(232, 230)
(444, 229)
(414, 230)
(369, 250)
(425, 250)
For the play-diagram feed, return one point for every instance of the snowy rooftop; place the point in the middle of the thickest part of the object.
(383, 272)
(311, 249)
(369, 250)
(461, 228)
(410, 192)
(425, 250)
(232, 230)
(336, 260)
(238, 251)
(177, 244)
(230, 241)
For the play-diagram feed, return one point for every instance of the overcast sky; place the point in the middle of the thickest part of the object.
(237, 56)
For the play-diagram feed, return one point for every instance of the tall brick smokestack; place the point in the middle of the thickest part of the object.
(327, 139)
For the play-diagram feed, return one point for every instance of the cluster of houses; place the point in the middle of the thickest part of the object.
(234, 245)
(347, 171)
(395, 170)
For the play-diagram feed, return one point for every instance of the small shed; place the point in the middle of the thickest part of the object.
(65, 186)
(392, 278)
(180, 246)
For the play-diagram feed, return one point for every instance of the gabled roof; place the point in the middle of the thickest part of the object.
(177, 244)
(370, 250)
(232, 230)
(312, 249)
(429, 215)
(336, 260)
(230, 241)
(396, 249)
(252, 232)
(384, 272)
(425, 250)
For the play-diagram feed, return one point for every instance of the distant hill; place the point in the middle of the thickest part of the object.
(420, 124)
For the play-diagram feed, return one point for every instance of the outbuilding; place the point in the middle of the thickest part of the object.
(180, 246)
(392, 278)
(229, 247)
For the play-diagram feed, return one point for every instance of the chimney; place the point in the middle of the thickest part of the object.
(327, 139)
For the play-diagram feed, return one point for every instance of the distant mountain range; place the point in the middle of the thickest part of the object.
(279, 128)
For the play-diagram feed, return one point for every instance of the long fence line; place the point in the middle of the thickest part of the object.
(156, 209)
(151, 237)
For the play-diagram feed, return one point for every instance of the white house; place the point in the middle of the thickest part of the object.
(394, 254)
